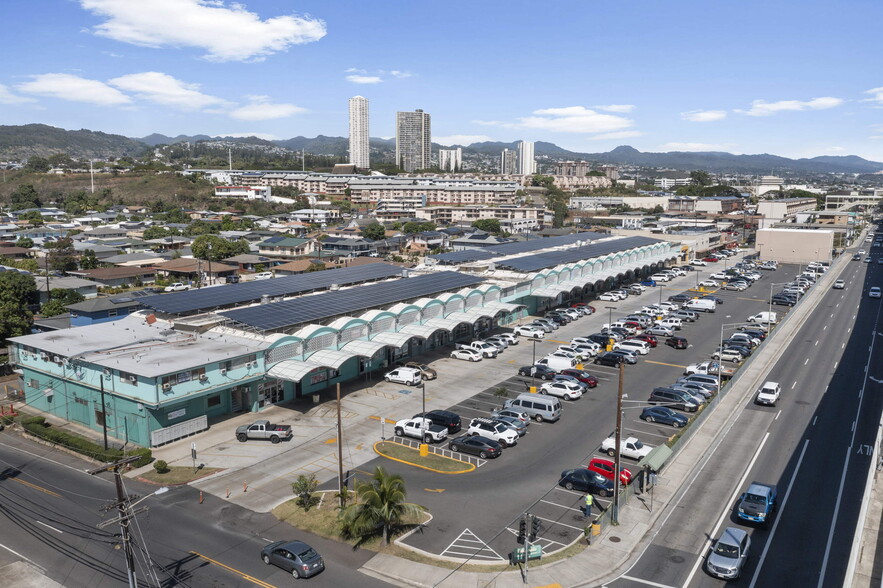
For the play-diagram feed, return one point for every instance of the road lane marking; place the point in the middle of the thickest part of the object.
(806, 362)
(777, 415)
(59, 531)
(35, 487)
(242, 575)
(769, 540)
(814, 420)
(794, 384)
(727, 511)
(17, 554)
(647, 582)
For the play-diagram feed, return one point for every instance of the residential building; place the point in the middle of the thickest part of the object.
(572, 168)
(284, 247)
(527, 165)
(779, 209)
(45, 284)
(508, 162)
(524, 218)
(669, 183)
(413, 140)
(244, 192)
(118, 276)
(359, 145)
(101, 310)
(450, 159)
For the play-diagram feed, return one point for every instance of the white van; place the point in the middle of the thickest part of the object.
(701, 304)
(558, 363)
(539, 407)
(763, 317)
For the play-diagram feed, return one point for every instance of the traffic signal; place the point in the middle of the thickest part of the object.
(522, 531)
(534, 528)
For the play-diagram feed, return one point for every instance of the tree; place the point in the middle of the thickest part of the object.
(380, 507)
(155, 232)
(62, 255)
(89, 260)
(33, 217)
(304, 488)
(214, 248)
(488, 225)
(700, 178)
(25, 196)
(414, 227)
(17, 291)
(25, 242)
(375, 231)
(37, 164)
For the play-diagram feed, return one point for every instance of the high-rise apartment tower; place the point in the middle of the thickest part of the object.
(450, 159)
(360, 153)
(508, 162)
(413, 140)
(526, 163)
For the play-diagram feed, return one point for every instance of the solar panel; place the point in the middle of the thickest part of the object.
(248, 292)
(465, 256)
(308, 309)
(514, 248)
(540, 261)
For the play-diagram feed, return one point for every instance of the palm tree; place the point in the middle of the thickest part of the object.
(380, 506)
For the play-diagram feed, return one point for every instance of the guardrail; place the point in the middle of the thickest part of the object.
(441, 451)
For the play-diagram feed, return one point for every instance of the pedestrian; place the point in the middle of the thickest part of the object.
(587, 507)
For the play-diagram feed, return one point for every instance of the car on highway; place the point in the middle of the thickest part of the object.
(466, 354)
(664, 415)
(768, 394)
(606, 467)
(476, 445)
(537, 371)
(295, 557)
(530, 331)
(562, 389)
(867, 260)
(583, 480)
(728, 554)
(874, 292)
(609, 359)
(677, 342)
(582, 375)
(839, 284)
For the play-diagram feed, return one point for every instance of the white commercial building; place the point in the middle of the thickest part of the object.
(526, 163)
(413, 140)
(450, 159)
(359, 148)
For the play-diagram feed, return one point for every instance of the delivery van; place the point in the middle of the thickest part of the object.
(701, 304)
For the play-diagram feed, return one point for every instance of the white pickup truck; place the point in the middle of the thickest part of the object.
(630, 447)
(176, 287)
(486, 349)
(709, 367)
(421, 429)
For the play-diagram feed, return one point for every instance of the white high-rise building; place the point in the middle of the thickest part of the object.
(360, 153)
(413, 140)
(507, 162)
(450, 159)
(526, 163)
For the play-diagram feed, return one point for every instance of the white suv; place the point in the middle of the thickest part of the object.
(640, 347)
(493, 430)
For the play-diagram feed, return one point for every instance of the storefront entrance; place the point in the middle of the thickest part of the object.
(270, 392)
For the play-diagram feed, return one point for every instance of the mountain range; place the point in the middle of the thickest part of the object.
(21, 142)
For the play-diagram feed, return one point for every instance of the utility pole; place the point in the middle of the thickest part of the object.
(103, 410)
(617, 460)
(123, 508)
(340, 481)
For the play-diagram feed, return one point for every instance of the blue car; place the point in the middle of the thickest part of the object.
(648, 283)
(665, 415)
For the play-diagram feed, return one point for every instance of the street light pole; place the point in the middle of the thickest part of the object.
(618, 445)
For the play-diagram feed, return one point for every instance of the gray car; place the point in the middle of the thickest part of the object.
(660, 331)
(729, 554)
(513, 423)
(295, 557)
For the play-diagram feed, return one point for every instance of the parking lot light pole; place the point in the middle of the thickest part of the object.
(617, 460)
(610, 315)
(771, 294)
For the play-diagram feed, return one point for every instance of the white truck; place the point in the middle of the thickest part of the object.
(764, 317)
(176, 287)
(631, 448)
(422, 429)
(709, 367)
(486, 349)
(768, 394)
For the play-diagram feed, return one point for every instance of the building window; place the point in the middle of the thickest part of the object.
(99, 418)
(82, 401)
(111, 312)
(214, 400)
(197, 374)
(33, 383)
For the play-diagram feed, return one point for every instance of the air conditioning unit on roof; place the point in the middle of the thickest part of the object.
(167, 386)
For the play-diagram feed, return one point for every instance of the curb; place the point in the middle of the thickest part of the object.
(381, 454)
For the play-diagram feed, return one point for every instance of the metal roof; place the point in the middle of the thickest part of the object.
(532, 263)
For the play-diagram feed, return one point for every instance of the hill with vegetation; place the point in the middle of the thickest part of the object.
(36, 140)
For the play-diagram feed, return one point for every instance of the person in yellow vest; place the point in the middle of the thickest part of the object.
(587, 507)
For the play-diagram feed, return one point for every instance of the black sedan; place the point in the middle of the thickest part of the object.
(679, 298)
(609, 359)
(715, 298)
(295, 557)
(585, 480)
(665, 415)
(476, 445)
(537, 371)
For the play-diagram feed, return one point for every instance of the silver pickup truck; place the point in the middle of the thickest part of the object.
(263, 430)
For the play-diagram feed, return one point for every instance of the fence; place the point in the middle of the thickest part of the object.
(441, 451)
(177, 431)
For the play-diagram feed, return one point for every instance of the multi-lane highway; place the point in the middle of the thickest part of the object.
(815, 446)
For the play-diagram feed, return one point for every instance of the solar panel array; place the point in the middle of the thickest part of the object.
(310, 309)
(514, 248)
(206, 299)
(540, 261)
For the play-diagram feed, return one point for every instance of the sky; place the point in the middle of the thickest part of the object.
(797, 78)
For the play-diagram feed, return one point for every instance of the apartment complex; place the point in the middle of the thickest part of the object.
(508, 162)
(413, 140)
(526, 163)
(572, 168)
(519, 218)
(450, 159)
(359, 148)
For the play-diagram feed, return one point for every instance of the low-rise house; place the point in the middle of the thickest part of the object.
(101, 310)
(247, 261)
(285, 247)
(191, 270)
(116, 277)
(144, 259)
(87, 288)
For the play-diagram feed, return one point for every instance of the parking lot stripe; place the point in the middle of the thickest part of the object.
(647, 582)
(554, 522)
(560, 505)
(663, 363)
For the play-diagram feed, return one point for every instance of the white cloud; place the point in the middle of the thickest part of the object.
(356, 79)
(225, 33)
(491, 123)
(73, 88)
(675, 146)
(461, 139)
(617, 135)
(7, 97)
(266, 136)
(356, 70)
(762, 108)
(834, 150)
(877, 95)
(164, 89)
(261, 108)
(876, 137)
(400, 74)
(573, 119)
(704, 115)
(621, 108)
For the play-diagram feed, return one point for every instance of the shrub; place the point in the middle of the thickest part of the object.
(34, 420)
(64, 439)
(304, 488)
(160, 466)
(145, 456)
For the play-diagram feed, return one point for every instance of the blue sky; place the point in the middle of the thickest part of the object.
(793, 78)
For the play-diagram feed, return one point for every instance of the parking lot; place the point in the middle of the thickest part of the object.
(476, 515)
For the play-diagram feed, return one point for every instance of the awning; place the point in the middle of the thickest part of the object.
(550, 291)
(292, 370)
(425, 330)
(396, 339)
(363, 348)
(656, 458)
(331, 358)
(446, 324)
(503, 306)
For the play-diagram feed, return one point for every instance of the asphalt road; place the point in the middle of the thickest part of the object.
(476, 515)
(50, 509)
(815, 446)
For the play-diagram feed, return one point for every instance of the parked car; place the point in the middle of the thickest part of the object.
(295, 557)
(421, 428)
(263, 430)
(629, 447)
(608, 297)
(660, 331)
(263, 275)
(606, 467)
(650, 340)
(409, 376)
(176, 287)
(476, 445)
(466, 354)
(639, 347)
(562, 389)
(509, 338)
(609, 359)
(648, 282)
(511, 414)
(699, 262)
(426, 372)
(730, 355)
(672, 398)
(664, 415)
(513, 423)
(679, 298)
(530, 331)
(582, 375)
(498, 342)
(582, 480)
(729, 554)
(537, 371)
(676, 342)
(629, 357)
(490, 429)
(445, 418)
(783, 300)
